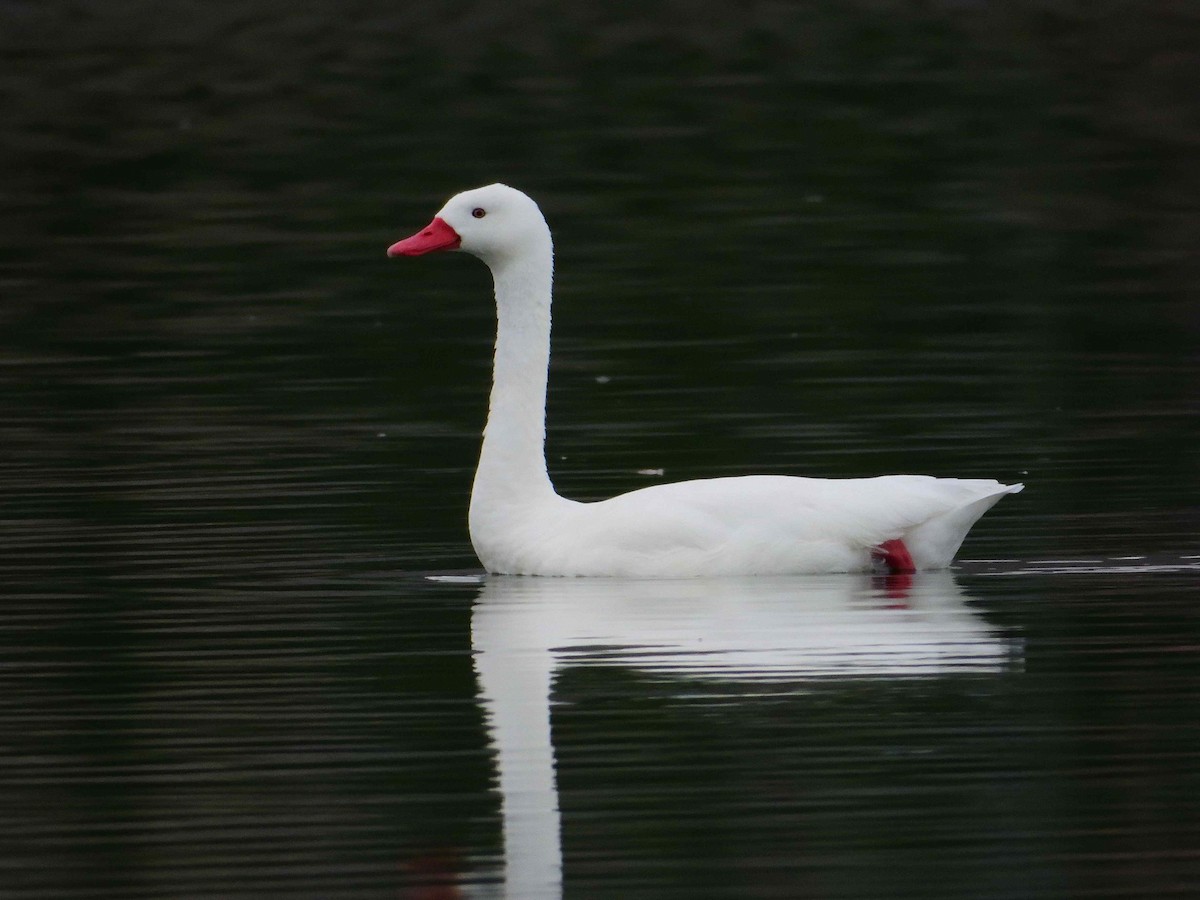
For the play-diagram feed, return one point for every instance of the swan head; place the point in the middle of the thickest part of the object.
(494, 223)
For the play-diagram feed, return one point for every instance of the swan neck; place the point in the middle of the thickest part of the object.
(512, 464)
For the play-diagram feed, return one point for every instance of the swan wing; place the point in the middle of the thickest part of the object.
(770, 523)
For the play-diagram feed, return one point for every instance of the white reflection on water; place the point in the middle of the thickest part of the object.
(730, 629)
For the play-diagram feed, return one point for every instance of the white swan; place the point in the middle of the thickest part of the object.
(749, 525)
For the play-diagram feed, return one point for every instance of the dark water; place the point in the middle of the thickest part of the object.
(832, 240)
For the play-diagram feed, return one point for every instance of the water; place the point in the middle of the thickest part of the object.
(245, 650)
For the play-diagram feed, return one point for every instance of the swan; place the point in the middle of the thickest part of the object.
(743, 525)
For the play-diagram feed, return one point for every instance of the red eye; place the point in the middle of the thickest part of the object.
(479, 212)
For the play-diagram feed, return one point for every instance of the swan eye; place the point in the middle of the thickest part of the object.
(479, 212)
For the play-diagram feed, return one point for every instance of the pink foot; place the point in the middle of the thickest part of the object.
(895, 556)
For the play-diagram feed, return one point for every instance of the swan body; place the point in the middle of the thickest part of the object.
(748, 525)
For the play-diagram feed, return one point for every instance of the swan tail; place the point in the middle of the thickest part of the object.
(933, 543)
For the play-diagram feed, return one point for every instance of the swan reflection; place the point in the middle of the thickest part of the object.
(786, 629)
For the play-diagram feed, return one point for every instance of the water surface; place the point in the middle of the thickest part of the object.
(238, 444)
